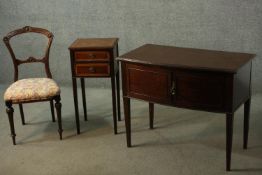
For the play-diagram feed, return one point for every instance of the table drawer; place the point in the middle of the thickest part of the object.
(91, 55)
(148, 83)
(96, 70)
(200, 90)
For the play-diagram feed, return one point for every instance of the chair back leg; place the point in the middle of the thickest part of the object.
(52, 110)
(22, 114)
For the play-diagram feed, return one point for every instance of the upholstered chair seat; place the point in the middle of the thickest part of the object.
(31, 89)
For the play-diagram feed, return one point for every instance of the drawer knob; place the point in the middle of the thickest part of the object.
(173, 88)
(91, 69)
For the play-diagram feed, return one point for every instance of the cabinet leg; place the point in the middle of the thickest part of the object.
(10, 113)
(151, 115)
(58, 107)
(84, 97)
(229, 137)
(52, 110)
(246, 122)
(118, 96)
(22, 114)
(127, 120)
(114, 103)
(76, 105)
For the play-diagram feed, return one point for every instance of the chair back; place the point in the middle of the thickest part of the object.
(44, 59)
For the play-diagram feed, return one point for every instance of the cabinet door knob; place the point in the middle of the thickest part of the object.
(91, 69)
(173, 88)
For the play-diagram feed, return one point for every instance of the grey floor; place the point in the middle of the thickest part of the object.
(184, 142)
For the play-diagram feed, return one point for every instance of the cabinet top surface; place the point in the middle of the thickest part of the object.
(93, 43)
(187, 58)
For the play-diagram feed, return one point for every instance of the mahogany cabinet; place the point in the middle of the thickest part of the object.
(189, 78)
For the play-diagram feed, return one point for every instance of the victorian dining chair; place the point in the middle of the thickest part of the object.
(31, 89)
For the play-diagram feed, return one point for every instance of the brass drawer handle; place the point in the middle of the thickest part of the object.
(91, 55)
(173, 88)
(91, 69)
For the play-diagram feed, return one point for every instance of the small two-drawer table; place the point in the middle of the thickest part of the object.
(95, 58)
(197, 79)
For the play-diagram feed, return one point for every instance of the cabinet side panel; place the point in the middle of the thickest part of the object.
(123, 72)
(242, 85)
(72, 55)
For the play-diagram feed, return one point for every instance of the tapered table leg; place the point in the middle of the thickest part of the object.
(127, 120)
(84, 97)
(118, 95)
(76, 105)
(229, 137)
(114, 103)
(118, 85)
(151, 115)
(246, 122)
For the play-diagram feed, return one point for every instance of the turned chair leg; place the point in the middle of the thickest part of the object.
(22, 114)
(52, 110)
(58, 106)
(10, 112)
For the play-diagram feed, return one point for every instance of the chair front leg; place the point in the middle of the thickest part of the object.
(10, 112)
(58, 106)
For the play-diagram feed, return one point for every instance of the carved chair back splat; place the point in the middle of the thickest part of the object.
(17, 62)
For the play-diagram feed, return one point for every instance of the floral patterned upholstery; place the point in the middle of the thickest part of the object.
(31, 89)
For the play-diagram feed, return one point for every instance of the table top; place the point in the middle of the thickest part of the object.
(93, 43)
(187, 58)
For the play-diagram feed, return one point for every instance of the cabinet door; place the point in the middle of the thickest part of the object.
(199, 90)
(150, 83)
